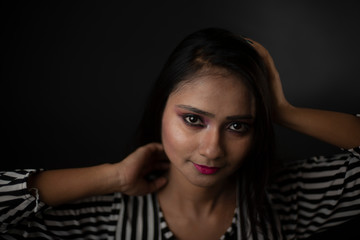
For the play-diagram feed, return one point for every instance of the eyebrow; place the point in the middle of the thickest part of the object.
(211, 115)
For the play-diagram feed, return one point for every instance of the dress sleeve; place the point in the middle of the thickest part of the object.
(16, 201)
(312, 195)
(23, 215)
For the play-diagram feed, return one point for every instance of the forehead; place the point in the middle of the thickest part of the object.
(218, 93)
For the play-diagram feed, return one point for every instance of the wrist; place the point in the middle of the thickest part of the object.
(111, 179)
(283, 112)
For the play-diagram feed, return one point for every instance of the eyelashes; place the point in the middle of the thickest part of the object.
(239, 127)
(193, 120)
(197, 121)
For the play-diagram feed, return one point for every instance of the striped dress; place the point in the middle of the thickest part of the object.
(309, 196)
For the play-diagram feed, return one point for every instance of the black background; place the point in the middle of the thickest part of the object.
(75, 75)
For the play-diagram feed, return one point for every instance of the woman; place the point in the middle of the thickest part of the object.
(211, 114)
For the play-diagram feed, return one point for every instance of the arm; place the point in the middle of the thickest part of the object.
(57, 187)
(339, 129)
(316, 194)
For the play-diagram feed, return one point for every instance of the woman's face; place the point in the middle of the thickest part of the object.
(207, 128)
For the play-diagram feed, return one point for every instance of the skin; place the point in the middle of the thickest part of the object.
(188, 198)
(128, 176)
(208, 121)
(339, 129)
(221, 138)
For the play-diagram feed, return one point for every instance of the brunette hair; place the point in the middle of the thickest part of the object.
(222, 49)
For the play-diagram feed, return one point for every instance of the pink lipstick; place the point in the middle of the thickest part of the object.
(205, 169)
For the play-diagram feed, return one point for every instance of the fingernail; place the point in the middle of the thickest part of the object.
(246, 39)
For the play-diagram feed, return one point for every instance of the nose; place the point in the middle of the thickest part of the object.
(211, 145)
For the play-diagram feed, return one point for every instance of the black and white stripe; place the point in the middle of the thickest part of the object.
(23, 216)
(309, 196)
(139, 219)
(313, 195)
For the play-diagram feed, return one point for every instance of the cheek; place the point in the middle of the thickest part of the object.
(176, 143)
(240, 150)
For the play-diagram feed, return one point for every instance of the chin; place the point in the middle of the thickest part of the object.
(206, 181)
(193, 176)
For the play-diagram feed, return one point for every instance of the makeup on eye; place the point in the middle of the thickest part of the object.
(194, 120)
(198, 112)
(239, 127)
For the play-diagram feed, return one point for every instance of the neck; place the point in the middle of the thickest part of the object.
(197, 200)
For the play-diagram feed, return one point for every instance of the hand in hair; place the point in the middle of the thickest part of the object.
(278, 97)
(136, 171)
(339, 129)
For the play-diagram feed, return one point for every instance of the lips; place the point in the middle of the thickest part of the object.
(205, 169)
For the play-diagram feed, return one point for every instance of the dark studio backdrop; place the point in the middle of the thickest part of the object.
(75, 76)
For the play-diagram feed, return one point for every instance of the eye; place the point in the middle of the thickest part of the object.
(239, 127)
(193, 120)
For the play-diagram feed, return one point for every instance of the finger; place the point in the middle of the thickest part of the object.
(260, 48)
(156, 170)
(159, 156)
(152, 150)
(162, 165)
(264, 53)
(153, 147)
(155, 154)
(157, 184)
(249, 40)
(145, 153)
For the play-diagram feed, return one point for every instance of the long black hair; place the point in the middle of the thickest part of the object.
(222, 49)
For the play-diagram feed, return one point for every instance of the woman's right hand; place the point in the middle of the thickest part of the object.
(134, 170)
(280, 105)
(339, 129)
(129, 176)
